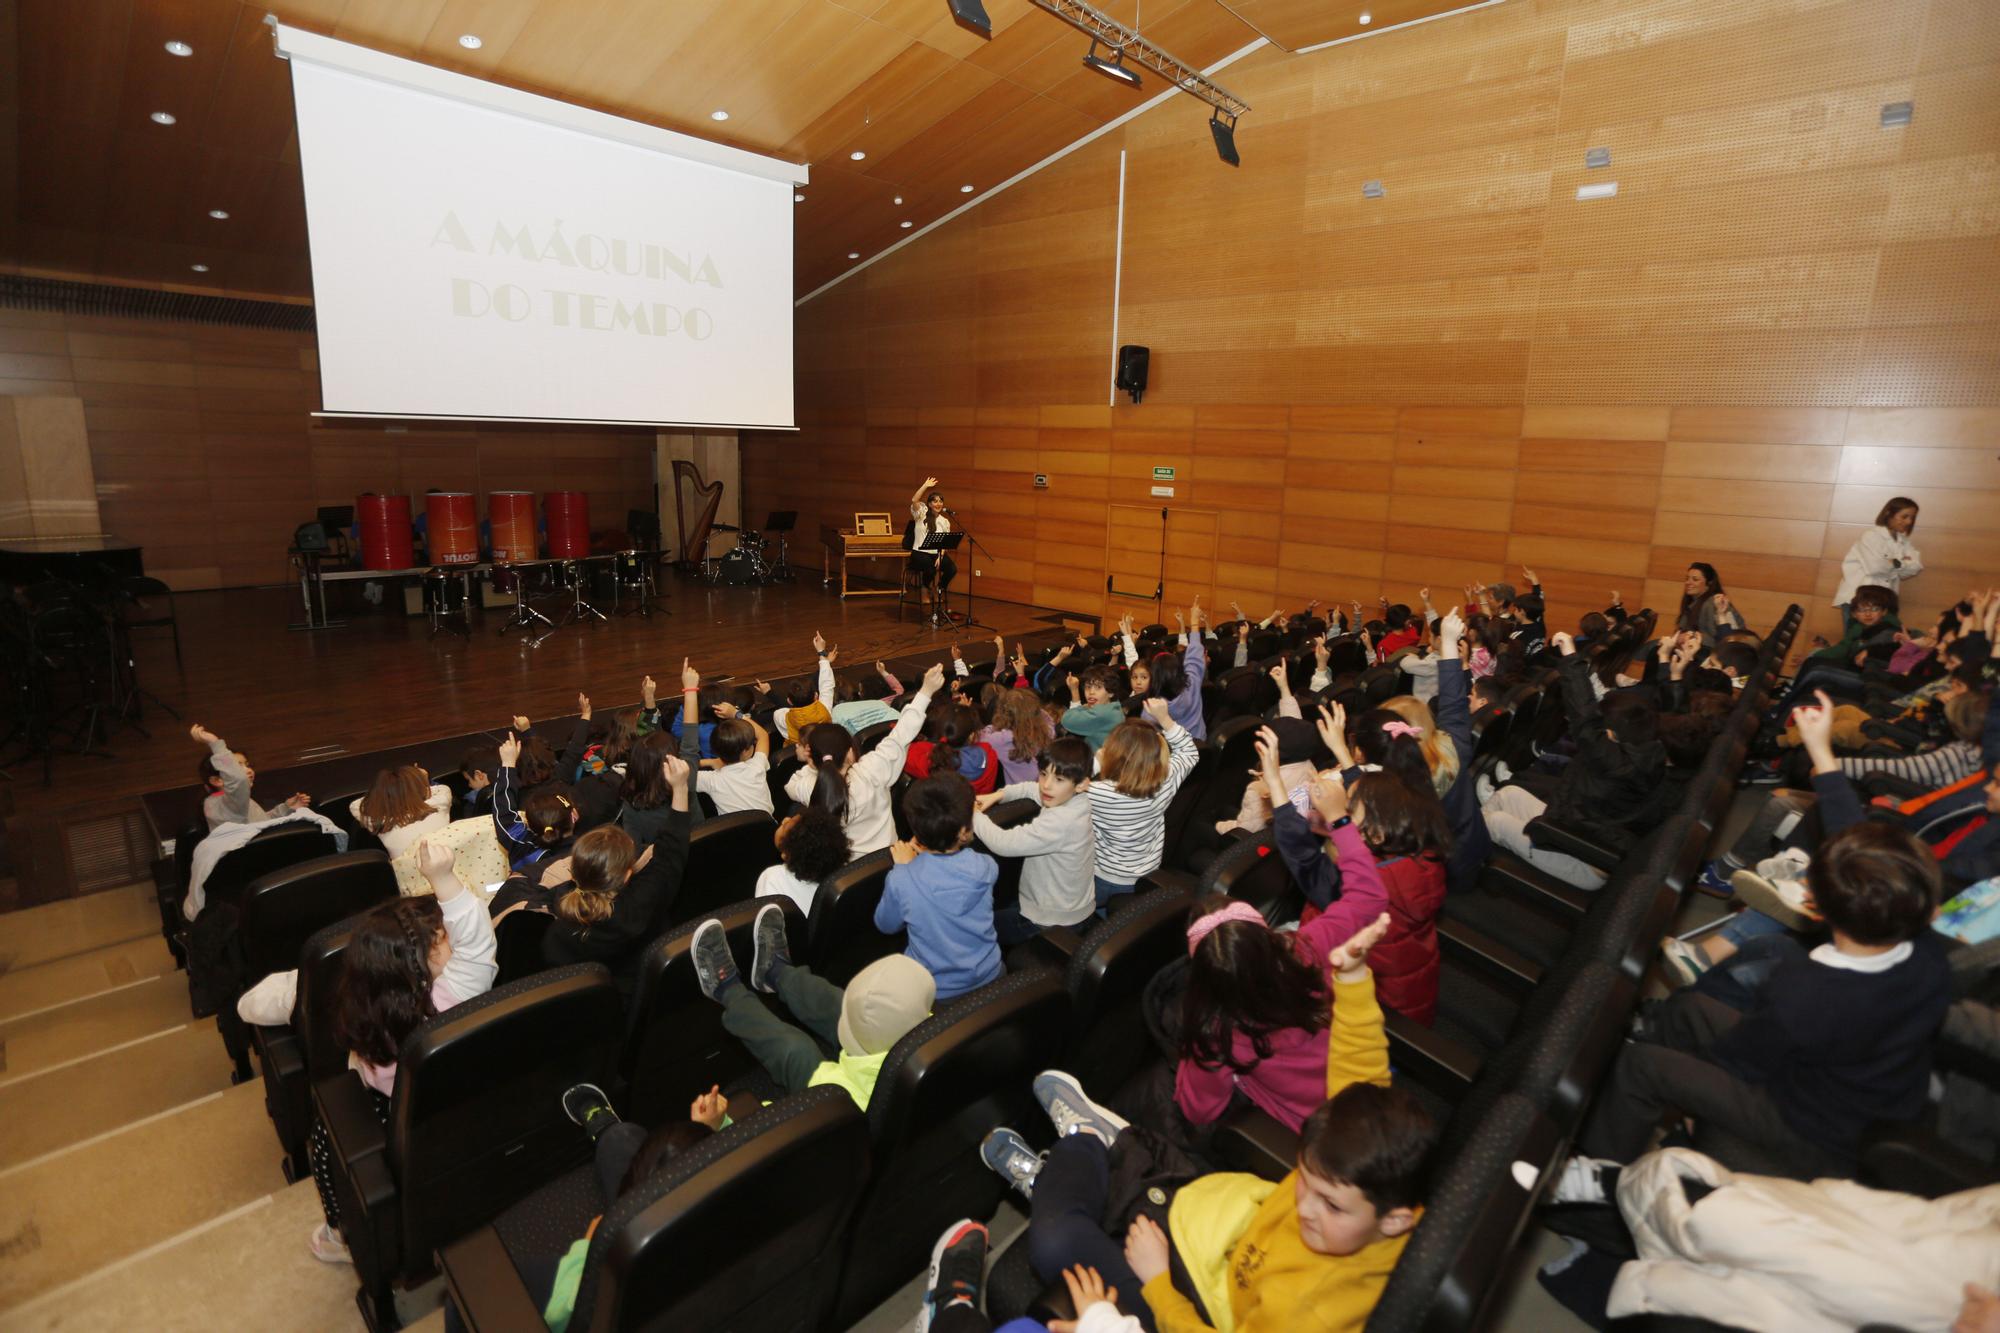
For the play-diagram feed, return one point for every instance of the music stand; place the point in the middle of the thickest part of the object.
(781, 522)
(938, 544)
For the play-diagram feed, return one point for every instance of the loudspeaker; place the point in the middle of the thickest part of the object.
(1132, 362)
(971, 15)
(310, 538)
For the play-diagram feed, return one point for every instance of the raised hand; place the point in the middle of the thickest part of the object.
(1350, 958)
(1329, 796)
(833, 654)
(1529, 575)
(510, 750)
(725, 711)
(929, 482)
(1563, 643)
(298, 800)
(934, 678)
(1267, 756)
(203, 734)
(520, 722)
(583, 704)
(1452, 628)
(762, 687)
(648, 693)
(1722, 603)
(956, 654)
(1125, 624)
(710, 1108)
(690, 678)
(819, 642)
(1281, 676)
(433, 858)
(1157, 710)
(1815, 724)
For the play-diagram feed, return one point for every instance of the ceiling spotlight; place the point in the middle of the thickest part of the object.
(971, 15)
(856, 156)
(854, 254)
(907, 223)
(179, 48)
(199, 268)
(1366, 18)
(471, 41)
(718, 115)
(798, 199)
(163, 117)
(899, 198)
(1225, 138)
(219, 214)
(1113, 68)
(965, 189)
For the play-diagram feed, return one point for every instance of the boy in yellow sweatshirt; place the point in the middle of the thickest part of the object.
(1311, 1252)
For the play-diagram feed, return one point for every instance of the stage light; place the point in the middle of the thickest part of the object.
(179, 48)
(163, 117)
(971, 15)
(1113, 68)
(1225, 138)
(219, 214)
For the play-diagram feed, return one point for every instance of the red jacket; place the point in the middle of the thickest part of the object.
(917, 764)
(1405, 963)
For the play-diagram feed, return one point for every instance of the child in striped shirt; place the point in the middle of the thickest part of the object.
(1139, 769)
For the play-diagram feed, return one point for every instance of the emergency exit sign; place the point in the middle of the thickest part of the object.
(1163, 474)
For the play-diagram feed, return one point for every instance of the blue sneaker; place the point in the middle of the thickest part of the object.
(1011, 1159)
(1714, 879)
(1072, 1111)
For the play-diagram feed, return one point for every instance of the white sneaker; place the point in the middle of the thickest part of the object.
(1581, 1181)
(1684, 961)
(327, 1246)
(1783, 900)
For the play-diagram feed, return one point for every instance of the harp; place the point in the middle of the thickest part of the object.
(693, 496)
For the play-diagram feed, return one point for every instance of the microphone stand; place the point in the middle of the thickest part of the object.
(972, 582)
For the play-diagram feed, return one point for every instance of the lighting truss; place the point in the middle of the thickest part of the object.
(1108, 30)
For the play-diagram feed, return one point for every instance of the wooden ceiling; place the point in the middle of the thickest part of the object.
(100, 191)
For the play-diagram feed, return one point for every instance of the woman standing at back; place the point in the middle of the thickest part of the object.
(1882, 556)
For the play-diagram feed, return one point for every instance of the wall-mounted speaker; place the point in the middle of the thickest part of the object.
(971, 15)
(1133, 361)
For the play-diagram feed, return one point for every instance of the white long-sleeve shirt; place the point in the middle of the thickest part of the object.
(1059, 856)
(870, 823)
(1880, 557)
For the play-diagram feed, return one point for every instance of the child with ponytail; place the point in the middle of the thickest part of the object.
(855, 789)
(408, 960)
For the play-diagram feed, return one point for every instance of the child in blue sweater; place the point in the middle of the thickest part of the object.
(941, 892)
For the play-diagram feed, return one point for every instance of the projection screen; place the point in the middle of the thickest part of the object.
(480, 252)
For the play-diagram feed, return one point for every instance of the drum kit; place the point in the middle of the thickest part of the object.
(756, 560)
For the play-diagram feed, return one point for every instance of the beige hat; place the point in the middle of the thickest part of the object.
(885, 1000)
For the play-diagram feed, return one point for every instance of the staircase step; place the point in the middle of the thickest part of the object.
(78, 925)
(69, 1032)
(62, 1105)
(65, 1217)
(60, 981)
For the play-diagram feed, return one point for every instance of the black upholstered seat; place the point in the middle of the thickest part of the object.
(725, 856)
(842, 938)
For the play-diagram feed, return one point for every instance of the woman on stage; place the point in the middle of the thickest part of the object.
(936, 567)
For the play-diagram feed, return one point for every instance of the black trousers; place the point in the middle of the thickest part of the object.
(1736, 1122)
(946, 569)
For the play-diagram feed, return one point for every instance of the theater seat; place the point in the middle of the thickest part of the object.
(842, 938)
(962, 1072)
(744, 1232)
(1181, 809)
(1106, 978)
(475, 1123)
(675, 1047)
(282, 910)
(273, 849)
(1477, 1208)
(725, 856)
(518, 945)
(871, 736)
(1251, 870)
(296, 1055)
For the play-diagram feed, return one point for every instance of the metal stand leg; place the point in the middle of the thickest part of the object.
(525, 615)
(573, 571)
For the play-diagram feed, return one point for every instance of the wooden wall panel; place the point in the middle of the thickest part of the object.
(1786, 315)
(205, 450)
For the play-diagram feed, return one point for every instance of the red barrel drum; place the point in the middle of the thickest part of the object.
(385, 531)
(568, 524)
(511, 514)
(452, 527)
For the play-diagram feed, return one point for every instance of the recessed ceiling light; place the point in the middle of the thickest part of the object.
(899, 198)
(199, 268)
(798, 199)
(179, 48)
(965, 189)
(908, 224)
(471, 41)
(219, 214)
(856, 155)
(854, 254)
(1366, 18)
(163, 117)
(718, 114)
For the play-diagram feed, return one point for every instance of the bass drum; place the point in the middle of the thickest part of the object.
(741, 566)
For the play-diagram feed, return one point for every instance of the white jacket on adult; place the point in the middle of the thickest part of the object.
(1880, 557)
(870, 823)
(1824, 1257)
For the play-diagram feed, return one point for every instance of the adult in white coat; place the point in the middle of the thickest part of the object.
(1883, 556)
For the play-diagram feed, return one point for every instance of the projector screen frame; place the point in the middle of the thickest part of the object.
(311, 46)
(550, 421)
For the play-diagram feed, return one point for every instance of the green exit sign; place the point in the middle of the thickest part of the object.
(1163, 474)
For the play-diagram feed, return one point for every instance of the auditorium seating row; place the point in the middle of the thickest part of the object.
(477, 1171)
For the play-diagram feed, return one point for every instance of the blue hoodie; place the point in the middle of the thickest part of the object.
(946, 903)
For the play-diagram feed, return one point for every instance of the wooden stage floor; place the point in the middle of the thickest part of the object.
(382, 681)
